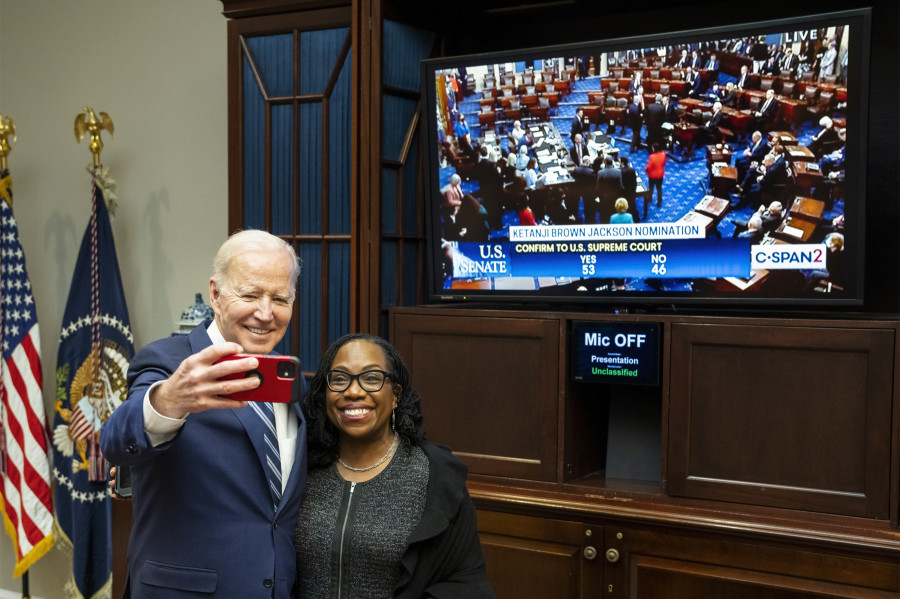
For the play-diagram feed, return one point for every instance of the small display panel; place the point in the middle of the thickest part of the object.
(616, 352)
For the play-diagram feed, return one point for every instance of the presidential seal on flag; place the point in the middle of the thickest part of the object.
(95, 346)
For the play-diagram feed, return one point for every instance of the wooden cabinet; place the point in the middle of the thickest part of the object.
(530, 556)
(765, 463)
(541, 557)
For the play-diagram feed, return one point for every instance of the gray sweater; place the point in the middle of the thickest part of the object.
(350, 536)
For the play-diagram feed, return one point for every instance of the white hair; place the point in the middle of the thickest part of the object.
(253, 240)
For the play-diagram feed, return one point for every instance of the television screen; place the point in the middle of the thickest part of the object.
(718, 165)
(616, 352)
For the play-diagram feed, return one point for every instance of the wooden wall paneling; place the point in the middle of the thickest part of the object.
(489, 389)
(783, 416)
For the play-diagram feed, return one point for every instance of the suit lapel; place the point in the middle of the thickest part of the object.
(253, 426)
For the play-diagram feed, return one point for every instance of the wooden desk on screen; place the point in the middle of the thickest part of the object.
(807, 175)
(799, 153)
(708, 223)
(683, 134)
(807, 209)
(717, 153)
(722, 179)
(785, 138)
(714, 207)
(795, 230)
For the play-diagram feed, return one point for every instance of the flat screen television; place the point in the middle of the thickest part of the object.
(628, 171)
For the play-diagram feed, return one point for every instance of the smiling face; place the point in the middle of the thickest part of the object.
(360, 415)
(253, 305)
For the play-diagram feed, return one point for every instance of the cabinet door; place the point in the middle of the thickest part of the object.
(796, 417)
(489, 386)
(541, 557)
(658, 563)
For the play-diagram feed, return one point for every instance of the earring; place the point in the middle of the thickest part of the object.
(394, 419)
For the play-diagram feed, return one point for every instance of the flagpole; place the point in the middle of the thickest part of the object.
(7, 128)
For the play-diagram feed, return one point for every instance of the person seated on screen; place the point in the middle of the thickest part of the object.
(413, 531)
(766, 179)
(771, 216)
(728, 95)
(825, 281)
(834, 160)
(709, 131)
(826, 140)
(684, 60)
(693, 82)
(751, 229)
(696, 62)
(518, 136)
(833, 174)
(522, 160)
(713, 92)
(532, 177)
(781, 162)
(752, 155)
(621, 215)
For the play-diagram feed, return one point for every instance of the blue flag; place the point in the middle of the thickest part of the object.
(95, 346)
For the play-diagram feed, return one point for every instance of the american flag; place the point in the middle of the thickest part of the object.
(25, 468)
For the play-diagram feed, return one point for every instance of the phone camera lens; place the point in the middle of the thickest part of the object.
(287, 370)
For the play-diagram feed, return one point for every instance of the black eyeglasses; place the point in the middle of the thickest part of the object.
(370, 380)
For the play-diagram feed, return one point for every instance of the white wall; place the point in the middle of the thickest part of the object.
(159, 69)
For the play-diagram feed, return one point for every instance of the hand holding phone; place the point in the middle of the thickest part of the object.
(277, 377)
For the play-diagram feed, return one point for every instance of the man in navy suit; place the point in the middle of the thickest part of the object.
(207, 521)
(752, 155)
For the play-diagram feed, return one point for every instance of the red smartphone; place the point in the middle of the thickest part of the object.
(277, 374)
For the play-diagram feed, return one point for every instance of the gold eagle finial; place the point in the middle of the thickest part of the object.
(7, 128)
(87, 122)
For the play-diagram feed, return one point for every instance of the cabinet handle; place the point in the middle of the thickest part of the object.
(590, 552)
(612, 555)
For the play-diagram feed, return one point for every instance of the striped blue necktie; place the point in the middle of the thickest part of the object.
(273, 458)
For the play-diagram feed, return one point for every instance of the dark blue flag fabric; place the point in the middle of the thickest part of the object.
(95, 346)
